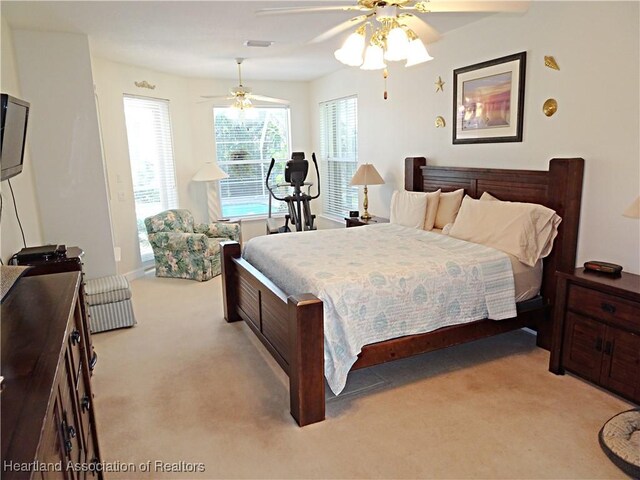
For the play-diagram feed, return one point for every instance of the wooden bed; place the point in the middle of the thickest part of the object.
(291, 328)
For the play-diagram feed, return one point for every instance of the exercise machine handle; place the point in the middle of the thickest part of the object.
(315, 163)
(266, 182)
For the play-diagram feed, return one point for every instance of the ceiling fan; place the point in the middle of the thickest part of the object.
(242, 95)
(392, 14)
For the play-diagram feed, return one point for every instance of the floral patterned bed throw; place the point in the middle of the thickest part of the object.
(384, 281)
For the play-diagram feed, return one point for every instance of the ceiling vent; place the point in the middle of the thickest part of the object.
(258, 43)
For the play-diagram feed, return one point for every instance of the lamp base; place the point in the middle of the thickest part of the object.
(366, 216)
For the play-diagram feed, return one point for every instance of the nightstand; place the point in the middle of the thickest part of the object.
(596, 331)
(358, 222)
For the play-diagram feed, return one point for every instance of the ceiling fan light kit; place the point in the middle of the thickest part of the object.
(393, 42)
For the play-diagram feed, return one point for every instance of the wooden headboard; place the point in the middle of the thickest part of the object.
(559, 188)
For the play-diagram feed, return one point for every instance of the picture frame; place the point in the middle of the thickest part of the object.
(488, 101)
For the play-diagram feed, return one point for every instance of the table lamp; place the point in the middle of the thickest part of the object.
(210, 172)
(366, 175)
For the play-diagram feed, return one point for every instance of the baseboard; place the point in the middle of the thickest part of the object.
(137, 273)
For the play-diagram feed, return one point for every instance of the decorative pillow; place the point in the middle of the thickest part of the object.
(408, 208)
(487, 196)
(433, 200)
(448, 207)
(447, 229)
(525, 230)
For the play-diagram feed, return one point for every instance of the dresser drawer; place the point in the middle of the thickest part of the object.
(610, 308)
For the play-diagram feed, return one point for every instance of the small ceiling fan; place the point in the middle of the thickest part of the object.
(242, 95)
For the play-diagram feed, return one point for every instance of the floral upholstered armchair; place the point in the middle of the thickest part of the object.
(184, 250)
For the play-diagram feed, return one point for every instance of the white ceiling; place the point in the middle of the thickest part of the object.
(202, 38)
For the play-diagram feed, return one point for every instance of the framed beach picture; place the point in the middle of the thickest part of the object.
(488, 101)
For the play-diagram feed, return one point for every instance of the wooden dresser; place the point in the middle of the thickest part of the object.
(47, 408)
(71, 262)
(597, 330)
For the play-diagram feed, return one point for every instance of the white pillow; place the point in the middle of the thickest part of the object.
(487, 196)
(448, 207)
(433, 199)
(408, 208)
(525, 230)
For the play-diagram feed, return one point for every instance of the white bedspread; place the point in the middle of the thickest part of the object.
(385, 281)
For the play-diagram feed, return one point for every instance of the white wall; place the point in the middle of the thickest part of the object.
(55, 76)
(23, 186)
(596, 45)
(193, 139)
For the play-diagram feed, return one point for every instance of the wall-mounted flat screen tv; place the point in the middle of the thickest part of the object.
(15, 113)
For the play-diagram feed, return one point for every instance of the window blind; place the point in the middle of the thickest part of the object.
(245, 143)
(339, 155)
(151, 157)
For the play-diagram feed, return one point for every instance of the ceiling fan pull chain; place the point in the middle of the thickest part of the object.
(385, 74)
(239, 62)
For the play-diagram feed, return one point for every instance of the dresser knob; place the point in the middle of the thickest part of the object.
(85, 403)
(71, 431)
(75, 337)
(607, 307)
(599, 344)
(93, 361)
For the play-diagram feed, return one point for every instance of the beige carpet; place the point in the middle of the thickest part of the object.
(184, 386)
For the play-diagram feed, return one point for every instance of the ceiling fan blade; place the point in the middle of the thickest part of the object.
(341, 27)
(263, 98)
(217, 97)
(436, 6)
(426, 32)
(287, 10)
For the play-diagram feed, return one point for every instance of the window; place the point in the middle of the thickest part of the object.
(339, 155)
(151, 158)
(245, 143)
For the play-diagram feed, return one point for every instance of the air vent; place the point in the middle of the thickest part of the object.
(258, 43)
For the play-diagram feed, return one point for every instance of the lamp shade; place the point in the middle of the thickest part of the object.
(351, 52)
(633, 210)
(209, 172)
(397, 44)
(373, 58)
(417, 53)
(367, 175)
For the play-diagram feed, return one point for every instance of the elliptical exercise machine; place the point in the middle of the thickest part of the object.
(295, 174)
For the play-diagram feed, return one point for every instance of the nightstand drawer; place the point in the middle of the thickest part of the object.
(603, 306)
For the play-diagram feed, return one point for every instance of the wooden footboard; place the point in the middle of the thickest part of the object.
(291, 328)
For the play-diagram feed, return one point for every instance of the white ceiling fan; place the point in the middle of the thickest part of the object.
(391, 14)
(242, 95)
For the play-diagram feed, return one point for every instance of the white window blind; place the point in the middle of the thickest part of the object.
(151, 157)
(339, 155)
(245, 143)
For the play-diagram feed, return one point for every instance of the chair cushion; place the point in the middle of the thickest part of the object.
(104, 290)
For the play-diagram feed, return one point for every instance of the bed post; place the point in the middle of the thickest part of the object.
(564, 193)
(413, 181)
(306, 359)
(229, 251)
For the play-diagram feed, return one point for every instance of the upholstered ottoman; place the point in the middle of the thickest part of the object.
(109, 300)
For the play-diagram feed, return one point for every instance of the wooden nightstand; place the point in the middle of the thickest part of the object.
(597, 330)
(358, 222)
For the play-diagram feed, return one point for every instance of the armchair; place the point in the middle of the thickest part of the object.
(184, 250)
